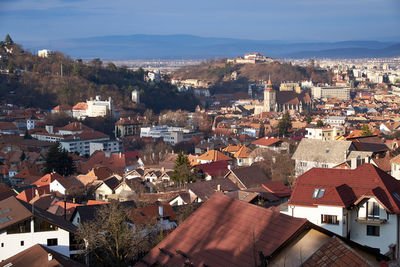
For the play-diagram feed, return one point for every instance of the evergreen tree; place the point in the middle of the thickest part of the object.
(23, 156)
(284, 124)
(261, 132)
(27, 135)
(365, 130)
(320, 123)
(308, 118)
(58, 160)
(182, 170)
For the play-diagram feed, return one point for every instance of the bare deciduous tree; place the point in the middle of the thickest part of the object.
(110, 240)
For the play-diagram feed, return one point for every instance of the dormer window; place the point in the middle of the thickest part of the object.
(318, 193)
(373, 210)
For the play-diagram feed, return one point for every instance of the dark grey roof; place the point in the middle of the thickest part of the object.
(250, 176)
(112, 182)
(86, 213)
(204, 190)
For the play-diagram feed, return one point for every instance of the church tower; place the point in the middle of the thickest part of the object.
(269, 97)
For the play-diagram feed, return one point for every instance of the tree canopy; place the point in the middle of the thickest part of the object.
(320, 123)
(111, 240)
(365, 130)
(284, 124)
(182, 170)
(261, 132)
(40, 84)
(58, 160)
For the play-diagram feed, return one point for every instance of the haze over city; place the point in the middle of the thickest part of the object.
(308, 20)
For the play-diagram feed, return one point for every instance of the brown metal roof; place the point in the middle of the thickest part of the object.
(13, 210)
(38, 256)
(225, 232)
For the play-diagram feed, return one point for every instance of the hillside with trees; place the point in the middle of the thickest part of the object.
(29, 80)
(219, 73)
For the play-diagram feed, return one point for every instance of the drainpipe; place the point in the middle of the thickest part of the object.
(65, 209)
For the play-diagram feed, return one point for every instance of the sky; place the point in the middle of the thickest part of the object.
(290, 20)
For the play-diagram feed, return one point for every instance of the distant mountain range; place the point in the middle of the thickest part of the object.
(142, 46)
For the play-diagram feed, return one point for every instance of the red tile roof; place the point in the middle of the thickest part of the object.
(265, 141)
(28, 194)
(47, 179)
(115, 162)
(150, 214)
(277, 188)
(217, 168)
(75, 127)
(345, 187)
(336, 253)
(224, 232)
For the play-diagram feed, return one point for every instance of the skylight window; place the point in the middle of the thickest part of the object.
(318, 193)
(397, 196)
(4, 211)
(4, 220)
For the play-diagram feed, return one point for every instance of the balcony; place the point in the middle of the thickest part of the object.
(371, 220)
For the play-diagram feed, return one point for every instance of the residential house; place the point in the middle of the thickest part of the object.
(201, 191)
(243, 157)
(312, 153)
(247, 177)
(325, 133)
(106, 188)
(46, 179)
(272, 143)
(79, 111)
(361, 204)
(212, 170)
(218, 234)
(161, 215)
(127, 127)
(279, 190)
(65, 185)
(23, 226)
(97, 173)
(395, 167)
(38, 256)
(114, 162)
(211, 156)
(369, 143)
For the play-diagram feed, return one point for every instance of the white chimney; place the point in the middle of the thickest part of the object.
(49, 256)
(353, 164)
(161, 211)
(218, 187)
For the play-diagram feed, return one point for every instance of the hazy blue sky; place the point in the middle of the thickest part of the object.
(324, 20)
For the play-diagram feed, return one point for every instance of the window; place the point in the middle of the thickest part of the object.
(330, 219)
(373, 210)
(325, 166)
(52, 242)
(318, 193)
(372, 230)
(42, 225)
(22, 227)
(2, 245)
(22, 243)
